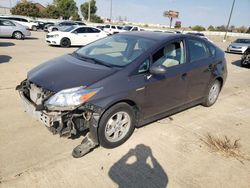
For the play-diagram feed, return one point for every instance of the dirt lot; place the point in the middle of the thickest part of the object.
(169, 152)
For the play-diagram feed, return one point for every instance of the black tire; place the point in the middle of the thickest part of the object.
(208, 102)
(34, 28)
(54, 29)
(118, 108)
(65, 43)
(18, 35)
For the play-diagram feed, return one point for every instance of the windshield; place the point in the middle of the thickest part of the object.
(127, 28)
(116, 50)
(242, 41)
(68, 29)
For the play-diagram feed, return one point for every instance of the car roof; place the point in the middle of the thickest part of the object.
(159, 36)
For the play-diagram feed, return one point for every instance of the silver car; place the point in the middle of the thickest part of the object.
(239, 46)
(13, 29)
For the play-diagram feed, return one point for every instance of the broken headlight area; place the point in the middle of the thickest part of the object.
(65, 113)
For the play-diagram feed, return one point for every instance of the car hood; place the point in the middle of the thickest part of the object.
(67, 72)
(240, 44)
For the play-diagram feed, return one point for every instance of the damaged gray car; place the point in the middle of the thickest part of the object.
(108, 88)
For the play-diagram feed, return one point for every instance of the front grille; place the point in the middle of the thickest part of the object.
(48, 36)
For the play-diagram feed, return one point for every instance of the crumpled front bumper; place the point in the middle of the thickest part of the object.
(46, 118)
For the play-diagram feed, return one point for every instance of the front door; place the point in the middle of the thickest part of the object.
(165, 92)
(6, 28)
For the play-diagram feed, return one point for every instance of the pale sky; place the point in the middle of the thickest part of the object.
(192, 12)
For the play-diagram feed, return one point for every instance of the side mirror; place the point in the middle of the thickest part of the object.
(157, 70)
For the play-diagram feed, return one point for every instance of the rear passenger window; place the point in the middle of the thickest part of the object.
(93, 30)
(197, 50)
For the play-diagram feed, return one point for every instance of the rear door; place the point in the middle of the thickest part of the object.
(199, 70)
(167, 91)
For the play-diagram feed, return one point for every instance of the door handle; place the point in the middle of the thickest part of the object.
(183, 76)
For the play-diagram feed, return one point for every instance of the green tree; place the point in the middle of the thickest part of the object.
(248, 31)
(211, 28)
(198, 28)
(221, 28)
(25, 9)
(76, 17)
(51, 11)
(96, 19)
(66, 8)
(85, 9)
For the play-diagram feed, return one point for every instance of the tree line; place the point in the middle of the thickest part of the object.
(232, 28)
(65, 9)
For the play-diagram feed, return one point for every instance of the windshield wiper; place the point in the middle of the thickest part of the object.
(96, 61)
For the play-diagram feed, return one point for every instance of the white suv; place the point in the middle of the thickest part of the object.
(31, 25)
(112, 29)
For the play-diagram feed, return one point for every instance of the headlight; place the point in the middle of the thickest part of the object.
(56, 35)
(69, 99)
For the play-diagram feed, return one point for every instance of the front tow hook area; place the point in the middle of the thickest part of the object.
(85, 147)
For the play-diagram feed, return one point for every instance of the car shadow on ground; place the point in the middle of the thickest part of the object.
(6, 44)
(5, 59)
(30, 38)
(138, 168)
(238, 63)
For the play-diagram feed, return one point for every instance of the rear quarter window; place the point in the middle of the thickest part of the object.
(212, 49)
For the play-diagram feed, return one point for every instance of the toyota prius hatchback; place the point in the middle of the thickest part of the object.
(108, 88)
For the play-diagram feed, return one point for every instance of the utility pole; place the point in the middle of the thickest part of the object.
(111, 6)
(225, 36)
(89, 11)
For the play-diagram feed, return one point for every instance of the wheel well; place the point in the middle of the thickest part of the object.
(220, 80)
(129, 102)
(65, 38)
(16, 31)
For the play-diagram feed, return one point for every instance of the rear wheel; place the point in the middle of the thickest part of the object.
(65, 43)
(116, 125)
(212, 94)
(18, 35)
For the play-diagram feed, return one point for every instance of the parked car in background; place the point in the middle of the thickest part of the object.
(23, 21)
(46, 26)
(239, 45)
(109, 87)
(79, 23)
(245, 59)
(74, 36)
(42, 24)
(100, 27)
(130, 28)
(9, 28)
(112, 29)
(63, 25)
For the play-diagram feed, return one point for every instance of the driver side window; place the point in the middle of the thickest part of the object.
(170, 55)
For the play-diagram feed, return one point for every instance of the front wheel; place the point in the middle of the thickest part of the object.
(65, 43)
(116, 125)
(212, 94)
